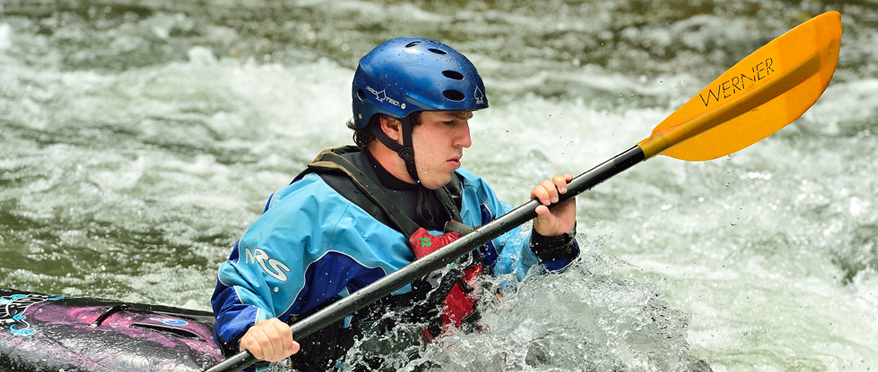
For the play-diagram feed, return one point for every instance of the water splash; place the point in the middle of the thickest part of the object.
(583, 319)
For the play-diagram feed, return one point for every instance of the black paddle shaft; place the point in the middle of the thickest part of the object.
(440, 258)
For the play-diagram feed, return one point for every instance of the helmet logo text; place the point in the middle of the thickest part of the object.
(382, 97)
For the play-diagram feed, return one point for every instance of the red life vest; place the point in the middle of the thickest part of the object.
(460, 301)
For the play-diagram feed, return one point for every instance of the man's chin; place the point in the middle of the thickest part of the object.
(435, 183)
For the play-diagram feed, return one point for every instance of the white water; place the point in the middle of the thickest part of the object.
(138, 142)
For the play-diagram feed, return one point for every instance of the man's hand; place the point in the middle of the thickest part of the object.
(561, 219)
(270, 340)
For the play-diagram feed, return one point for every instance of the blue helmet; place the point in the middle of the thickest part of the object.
(405, 75)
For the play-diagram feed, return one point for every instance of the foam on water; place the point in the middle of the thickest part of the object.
(130, 164)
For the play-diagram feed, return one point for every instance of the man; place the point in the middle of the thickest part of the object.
(358, 213)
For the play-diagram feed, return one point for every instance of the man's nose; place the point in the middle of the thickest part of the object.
(464, 139)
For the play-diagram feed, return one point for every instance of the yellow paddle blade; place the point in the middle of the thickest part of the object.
(759, 95)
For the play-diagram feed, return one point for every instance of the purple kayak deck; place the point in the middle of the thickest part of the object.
(41, 332)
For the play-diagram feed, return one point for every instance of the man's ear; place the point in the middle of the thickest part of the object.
(391, 127)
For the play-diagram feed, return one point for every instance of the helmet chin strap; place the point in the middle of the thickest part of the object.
(405, 151)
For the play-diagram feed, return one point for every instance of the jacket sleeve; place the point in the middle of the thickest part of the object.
(233, 315)
(309, 246)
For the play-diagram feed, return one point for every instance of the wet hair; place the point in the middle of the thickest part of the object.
(363, 136)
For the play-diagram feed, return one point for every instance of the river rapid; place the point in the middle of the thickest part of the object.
(138, 139)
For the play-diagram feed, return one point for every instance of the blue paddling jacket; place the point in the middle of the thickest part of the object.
(313, 245)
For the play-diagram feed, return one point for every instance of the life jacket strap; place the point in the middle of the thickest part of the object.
(329, 161)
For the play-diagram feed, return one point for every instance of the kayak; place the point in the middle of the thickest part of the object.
(40, 332)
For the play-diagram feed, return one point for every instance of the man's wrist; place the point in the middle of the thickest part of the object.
(556, 247)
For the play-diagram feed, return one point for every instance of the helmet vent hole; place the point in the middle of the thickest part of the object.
(452, 74)
(437, 51)
(413, 43)
(361, 94)
(453, 95)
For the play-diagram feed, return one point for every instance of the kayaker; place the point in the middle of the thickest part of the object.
(359, 212)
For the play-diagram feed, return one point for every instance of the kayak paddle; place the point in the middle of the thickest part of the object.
(756, 97)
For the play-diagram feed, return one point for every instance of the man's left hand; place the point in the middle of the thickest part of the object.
(561, 219)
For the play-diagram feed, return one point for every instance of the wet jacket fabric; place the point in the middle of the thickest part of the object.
(312, 245)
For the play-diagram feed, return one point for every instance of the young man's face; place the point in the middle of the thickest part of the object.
(438, 143)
